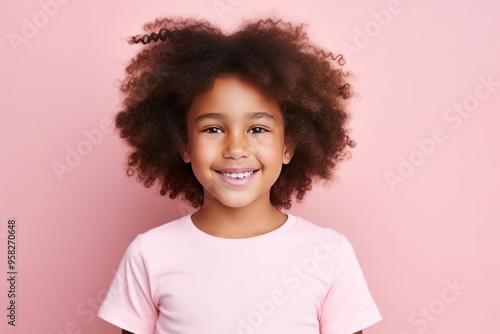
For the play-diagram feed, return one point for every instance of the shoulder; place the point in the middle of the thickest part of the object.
(326, 236)
(168, 234)
(310, 229)
(167, 229)
(321, 237)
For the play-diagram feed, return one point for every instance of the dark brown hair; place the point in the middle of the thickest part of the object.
(182, 57)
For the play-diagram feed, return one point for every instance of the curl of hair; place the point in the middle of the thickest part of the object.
(181, 58)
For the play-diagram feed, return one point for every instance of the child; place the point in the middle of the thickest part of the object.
(236, 125)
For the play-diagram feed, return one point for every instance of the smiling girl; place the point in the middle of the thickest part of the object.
(236, 125)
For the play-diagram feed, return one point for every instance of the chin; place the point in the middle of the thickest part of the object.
(235, 203)
(232, 199)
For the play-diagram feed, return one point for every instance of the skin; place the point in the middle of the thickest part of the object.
(229, 137)
(223, 133)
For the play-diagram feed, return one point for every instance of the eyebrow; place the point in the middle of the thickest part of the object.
(249, 115)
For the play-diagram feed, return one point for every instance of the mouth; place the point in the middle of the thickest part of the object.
(238, 176)
(240, 179)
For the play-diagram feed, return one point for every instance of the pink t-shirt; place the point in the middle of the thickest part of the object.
(300, 278)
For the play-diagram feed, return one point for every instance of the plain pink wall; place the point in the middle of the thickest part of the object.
(435, 225)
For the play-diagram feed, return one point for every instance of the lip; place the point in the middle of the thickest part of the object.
(236, 170)
(237, 182)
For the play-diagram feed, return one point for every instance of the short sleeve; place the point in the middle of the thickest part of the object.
(129, 303)
(348, 306)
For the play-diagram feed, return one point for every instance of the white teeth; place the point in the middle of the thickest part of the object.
(238, 175)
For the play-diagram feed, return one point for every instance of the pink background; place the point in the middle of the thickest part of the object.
(439, 223)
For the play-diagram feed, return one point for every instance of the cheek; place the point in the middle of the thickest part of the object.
(260, 140)
(202, 151)
(201, 156)
(269, 150)
(271, 140)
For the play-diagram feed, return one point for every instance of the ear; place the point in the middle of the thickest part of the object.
(185, 155)
(288, 150)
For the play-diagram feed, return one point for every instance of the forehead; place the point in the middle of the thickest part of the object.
(234, 95)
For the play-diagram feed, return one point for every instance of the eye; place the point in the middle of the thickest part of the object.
(258, 129)
(212, 129)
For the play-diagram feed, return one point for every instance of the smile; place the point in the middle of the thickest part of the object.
(237, 179)
(238, 175)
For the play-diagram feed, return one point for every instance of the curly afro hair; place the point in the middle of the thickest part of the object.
(181, 58)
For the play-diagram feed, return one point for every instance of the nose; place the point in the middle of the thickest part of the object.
(236, 146)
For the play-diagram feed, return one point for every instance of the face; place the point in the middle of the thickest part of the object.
(236, 143)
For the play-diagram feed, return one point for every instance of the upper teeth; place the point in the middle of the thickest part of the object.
(238, 175)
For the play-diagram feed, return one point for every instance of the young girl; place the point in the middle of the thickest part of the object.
(236, 125)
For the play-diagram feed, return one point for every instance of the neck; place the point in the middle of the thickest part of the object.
(257, 218)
